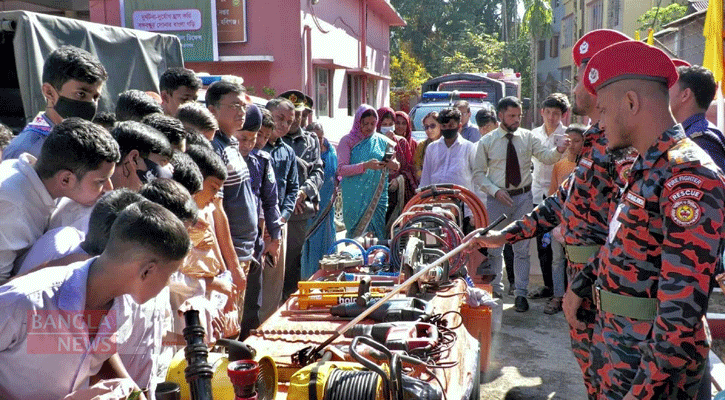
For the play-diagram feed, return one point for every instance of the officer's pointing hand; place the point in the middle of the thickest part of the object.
(492, 239)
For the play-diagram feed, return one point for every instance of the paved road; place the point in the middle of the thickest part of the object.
(531, 357)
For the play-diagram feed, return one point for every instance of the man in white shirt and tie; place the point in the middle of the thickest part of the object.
(503, 171)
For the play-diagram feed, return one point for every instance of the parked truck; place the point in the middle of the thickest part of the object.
(496, 85)
(133, 59)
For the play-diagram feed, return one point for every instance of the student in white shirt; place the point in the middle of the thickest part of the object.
(140, 344)
(553, 110)
(76, 161)
(147, 243)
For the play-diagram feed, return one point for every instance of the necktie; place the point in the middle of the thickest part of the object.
(513, 171)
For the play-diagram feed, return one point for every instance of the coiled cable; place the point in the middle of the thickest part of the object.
(351, 385)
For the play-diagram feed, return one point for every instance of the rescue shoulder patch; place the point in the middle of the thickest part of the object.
(685, 212)
(689, 193)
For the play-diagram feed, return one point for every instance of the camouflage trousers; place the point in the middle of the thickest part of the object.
(581, 340)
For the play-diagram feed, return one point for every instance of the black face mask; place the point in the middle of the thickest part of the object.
(68, 108)
(152, 172)
(449, 133)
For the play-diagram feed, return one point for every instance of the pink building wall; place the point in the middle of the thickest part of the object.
(287, 40)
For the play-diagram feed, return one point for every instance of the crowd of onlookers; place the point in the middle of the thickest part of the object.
(127, 219)
(170, 204)
(136, 216)
(448, 156)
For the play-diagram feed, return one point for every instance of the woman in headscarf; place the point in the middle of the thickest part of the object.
(364, 175)
(324, 222)
(404, 128)
(404, 181)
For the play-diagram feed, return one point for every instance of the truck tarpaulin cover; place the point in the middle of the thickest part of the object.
(133, 59)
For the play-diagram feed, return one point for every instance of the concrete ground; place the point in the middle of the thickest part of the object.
(531, 357)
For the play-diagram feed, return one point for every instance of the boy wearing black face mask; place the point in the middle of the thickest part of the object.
(72, 82)
(145, 155)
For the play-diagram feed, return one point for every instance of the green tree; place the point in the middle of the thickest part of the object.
(406, 71)
(435, 26)
(517, 55)
(474, 53)
(536, 25)
(657, 17)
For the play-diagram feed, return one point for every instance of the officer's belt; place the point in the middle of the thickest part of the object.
(642, 308)
(581, 254)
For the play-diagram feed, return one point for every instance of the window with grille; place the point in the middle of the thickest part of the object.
(567, 30)
(372, 92)
(613, 11)
(554, 47)
(354, 93)
(322, 92)
(595, 15)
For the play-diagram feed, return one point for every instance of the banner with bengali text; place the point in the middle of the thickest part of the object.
(193, 21)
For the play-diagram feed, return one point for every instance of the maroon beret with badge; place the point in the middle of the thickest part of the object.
(594, 41)
(628, 60)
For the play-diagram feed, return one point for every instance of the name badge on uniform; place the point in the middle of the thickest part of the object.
(635, 199)
(586, 162)
(614, 224)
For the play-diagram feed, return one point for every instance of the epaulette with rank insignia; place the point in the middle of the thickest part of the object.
(685, 152)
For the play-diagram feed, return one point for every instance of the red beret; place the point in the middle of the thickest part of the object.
(680, 63)
(593, 41)
(628, 60)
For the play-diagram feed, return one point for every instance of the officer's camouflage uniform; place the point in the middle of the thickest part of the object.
(664, 241)
(583, 204)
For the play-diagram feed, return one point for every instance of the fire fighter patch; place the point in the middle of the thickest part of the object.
(693, 193)
(685, 212)
(676, 180)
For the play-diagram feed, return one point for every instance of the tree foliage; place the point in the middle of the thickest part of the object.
(656, 17)
(406, 71)
(449, 36)
(536, 25)
(434, 26)
(537, 20)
